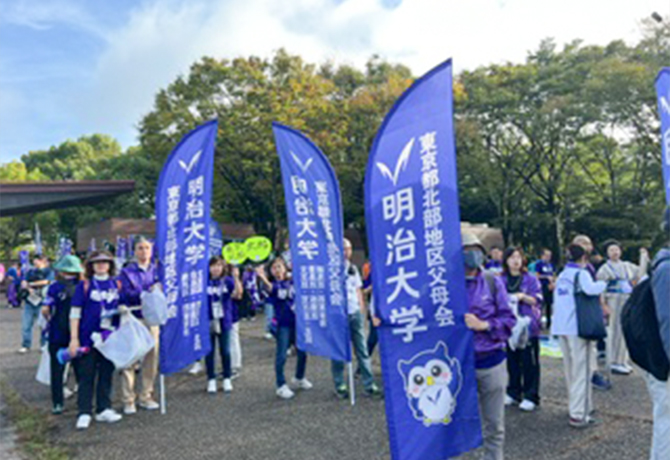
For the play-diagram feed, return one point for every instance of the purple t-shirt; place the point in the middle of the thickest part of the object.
(282, 297)
(219, 293)
(134, 281)
(99, 308)
(544, 269)
(250, 284)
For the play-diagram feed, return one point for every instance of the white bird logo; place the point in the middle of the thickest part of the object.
(303, 167)
(191, 164)
(401, 165)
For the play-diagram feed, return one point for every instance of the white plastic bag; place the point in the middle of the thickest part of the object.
(127, 345)
(154, 307)
(44, 368)
(521, 330)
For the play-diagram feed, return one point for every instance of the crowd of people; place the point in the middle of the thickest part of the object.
(511, 302)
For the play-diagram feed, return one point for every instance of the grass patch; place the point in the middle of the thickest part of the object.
(33, 427)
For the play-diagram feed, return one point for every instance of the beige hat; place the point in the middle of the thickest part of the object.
(470, 239)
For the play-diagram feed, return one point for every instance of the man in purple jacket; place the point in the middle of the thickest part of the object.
(136, 278)
(492, 321)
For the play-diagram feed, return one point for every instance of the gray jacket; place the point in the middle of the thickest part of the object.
(661, 290)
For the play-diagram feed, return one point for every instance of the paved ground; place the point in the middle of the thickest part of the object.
(252, 423)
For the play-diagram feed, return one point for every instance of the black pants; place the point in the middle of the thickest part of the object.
(373, 337)
(523, 367)
(94, 370)
(57, 371)
(548, 296)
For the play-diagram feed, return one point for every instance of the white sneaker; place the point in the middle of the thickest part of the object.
(509, 401)
(150, 405)
(67, 393)
(227, 386)
(620, 369)
(211, 386)
(129, 409)
(284, 392)
(108, 416)
(196, 368)
(268, 336)
(24, 350)
(527, 405)
(301, 384)
(83, 421)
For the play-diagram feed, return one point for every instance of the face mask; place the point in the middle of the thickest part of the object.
(473, 258)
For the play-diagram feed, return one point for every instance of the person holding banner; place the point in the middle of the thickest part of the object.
(223, 287)
(94, 309)
(356, 313)
(136, 278)
(281, 295)
(492, 321)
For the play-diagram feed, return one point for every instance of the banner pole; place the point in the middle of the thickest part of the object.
(162, 390)
(352, 388)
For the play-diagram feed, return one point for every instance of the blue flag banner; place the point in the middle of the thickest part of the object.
(38, 239)
(64, 247)
(215, 239)
(121, 248)
(91, 245)
(23, 260)
(316, 233)
(663, 93)
(183, 199)
(413, 224)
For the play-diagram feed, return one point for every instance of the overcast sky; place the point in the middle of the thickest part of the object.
(73, 67)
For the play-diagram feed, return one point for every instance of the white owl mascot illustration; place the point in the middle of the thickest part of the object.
(432, 383)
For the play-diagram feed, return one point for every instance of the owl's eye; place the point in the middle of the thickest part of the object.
(436, 370)
(418, 380)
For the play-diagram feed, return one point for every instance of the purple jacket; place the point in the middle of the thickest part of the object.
(496, 311)
(134, 280)
(531, 287)
(250, 284)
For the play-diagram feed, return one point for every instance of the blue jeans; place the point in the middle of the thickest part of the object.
(269, 314)
(30, 314)
(285, 337)
(224, 350)
(362, 356)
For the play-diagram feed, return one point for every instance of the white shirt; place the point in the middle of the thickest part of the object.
(564, 320)
(354, 283)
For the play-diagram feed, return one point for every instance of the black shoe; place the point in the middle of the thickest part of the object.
(374, 391)
(342, 392)
(57, 409)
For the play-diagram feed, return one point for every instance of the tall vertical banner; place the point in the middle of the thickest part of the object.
(215, 239)
(314, 210)
(663, 93)
(24, 261)
(64, 247)
(183, 200)
(413, 224)
(121, 248)
(38, 239)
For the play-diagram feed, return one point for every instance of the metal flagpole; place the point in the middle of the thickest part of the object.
(162, 390)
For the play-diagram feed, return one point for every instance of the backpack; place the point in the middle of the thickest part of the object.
(641, 330)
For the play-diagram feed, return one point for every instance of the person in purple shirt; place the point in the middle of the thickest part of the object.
(56, 310)
(281, 295)
(224, 286)
(492, 321)
(546, 273)
(523, 365)
(137, 277)
(94, 309)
